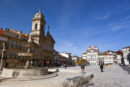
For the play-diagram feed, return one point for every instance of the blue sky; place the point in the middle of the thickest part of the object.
(74, 24)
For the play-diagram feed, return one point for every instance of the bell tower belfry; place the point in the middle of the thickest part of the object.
(38, 27)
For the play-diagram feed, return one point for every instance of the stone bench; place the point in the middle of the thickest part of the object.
(77, 81)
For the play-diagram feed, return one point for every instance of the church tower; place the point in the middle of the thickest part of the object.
(38, 27)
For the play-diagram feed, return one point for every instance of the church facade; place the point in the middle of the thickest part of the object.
(15, 43)
(91, 55)
(45, 42)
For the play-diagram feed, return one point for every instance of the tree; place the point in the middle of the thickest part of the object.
(80, 61)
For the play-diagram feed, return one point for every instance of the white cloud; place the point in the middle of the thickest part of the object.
(103, 17)
(118, 27)
(121, 24)
(100, 16)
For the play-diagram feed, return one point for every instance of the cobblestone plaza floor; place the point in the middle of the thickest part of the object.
(113, 76)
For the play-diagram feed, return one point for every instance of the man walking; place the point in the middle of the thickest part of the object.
(122, 61)
(101, 66)
(82, 68)
(128, 58)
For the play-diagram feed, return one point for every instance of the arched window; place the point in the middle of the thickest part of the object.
(36, 26)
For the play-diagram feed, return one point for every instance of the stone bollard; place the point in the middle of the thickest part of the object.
(77, 81)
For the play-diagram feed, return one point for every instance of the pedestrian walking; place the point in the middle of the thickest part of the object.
(82, 68)
(122, 61)
(47, 63)
(128, 58)
(101, 66)
(65, 66)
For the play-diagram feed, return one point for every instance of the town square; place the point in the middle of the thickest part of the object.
(64, 43)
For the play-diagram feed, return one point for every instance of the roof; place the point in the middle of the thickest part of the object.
(92, 48)
(68, 54)
(2, 31)
(119, 52)
(16, 32)
(49, 36)
(110, 51)
(25, 35)
(103, 53)
(62, 56)
(74, 56)
(55, 51)
(126, 47)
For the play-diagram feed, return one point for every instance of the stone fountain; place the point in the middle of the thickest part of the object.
(28, 54)
(27, 70)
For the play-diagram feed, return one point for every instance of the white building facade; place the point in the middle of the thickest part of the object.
(126, 52)
(66, 58)
(74, 60)
(91, 55)
(110, 57)
(119, 56)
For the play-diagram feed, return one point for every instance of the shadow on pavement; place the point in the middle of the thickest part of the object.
(126, 68)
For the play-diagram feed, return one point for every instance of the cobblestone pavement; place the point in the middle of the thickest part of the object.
(126, 68)
(113, 76)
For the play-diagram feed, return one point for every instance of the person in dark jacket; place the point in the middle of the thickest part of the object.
(83, 68)
(122, 61)
(65, 66)
(128, 58)
(101, 66)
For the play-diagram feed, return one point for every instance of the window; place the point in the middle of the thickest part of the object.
(10, 43)
(18, 45)
(36, 26)
(14, 44)
(0, 44)
(22, 46)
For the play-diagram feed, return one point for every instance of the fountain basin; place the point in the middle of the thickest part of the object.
(15, 73)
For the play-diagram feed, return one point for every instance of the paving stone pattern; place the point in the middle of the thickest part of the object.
(113, 76)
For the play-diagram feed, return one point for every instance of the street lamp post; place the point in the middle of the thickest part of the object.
(1, 62)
